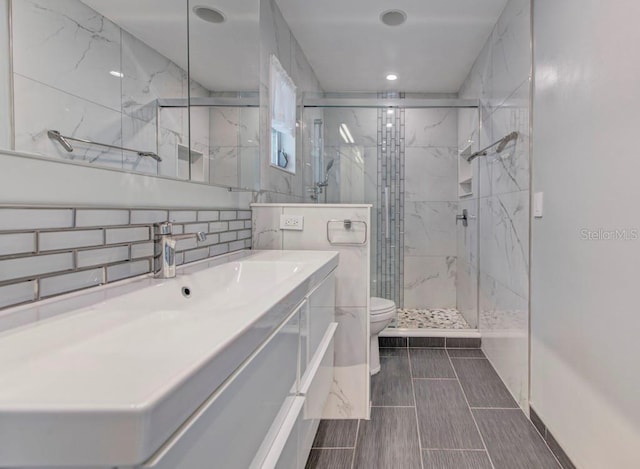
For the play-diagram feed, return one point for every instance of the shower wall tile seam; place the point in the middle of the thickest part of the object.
(502, 104)
(519, 295)
(503, 193)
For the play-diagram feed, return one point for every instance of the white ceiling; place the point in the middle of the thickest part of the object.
(351, 50)
(344, 40)
(224, 57)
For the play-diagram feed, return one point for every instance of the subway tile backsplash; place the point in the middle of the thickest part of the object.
(17, 243)
(128, 269)
(218, 227)
(27, 219)
(92, 257)
(34, 266)
(208, 215)
(17, 293)
(182, 216)
(91, 218)
(50, 286)
(139, 217)
(228, 236)
(58, 240)
(196, 228)
(128, 235)
(236, 225)
(228, 215)
(46, 252)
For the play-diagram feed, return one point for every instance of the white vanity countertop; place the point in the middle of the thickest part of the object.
(109, 383)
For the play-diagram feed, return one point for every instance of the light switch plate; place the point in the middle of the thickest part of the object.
(538, 204)
(292, 222)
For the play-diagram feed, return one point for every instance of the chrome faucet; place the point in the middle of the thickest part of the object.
(165, 265)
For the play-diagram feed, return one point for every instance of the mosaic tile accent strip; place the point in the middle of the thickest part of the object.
(46, 252)
(391, 184)
(441, 318)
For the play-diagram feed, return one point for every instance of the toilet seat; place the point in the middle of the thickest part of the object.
(381, 313)
(381, 306)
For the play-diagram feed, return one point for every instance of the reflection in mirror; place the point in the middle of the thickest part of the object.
(282, 103)
(5, 79)
(94, 70)
(224, 47)
(106, 82)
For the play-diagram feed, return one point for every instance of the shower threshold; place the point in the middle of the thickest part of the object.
(451, 333)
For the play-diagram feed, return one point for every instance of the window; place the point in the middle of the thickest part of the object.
(283, 118)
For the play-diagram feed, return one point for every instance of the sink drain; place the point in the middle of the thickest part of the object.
(186, 292)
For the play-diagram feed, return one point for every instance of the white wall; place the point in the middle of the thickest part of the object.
(5, 105)
(28, 180)
(500, 79)
(585, 378)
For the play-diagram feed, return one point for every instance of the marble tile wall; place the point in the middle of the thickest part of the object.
(65, 53)
(349, 397)
(276, 38)
(234, 146)
(500, 78)
(353, 163)
(431, 206)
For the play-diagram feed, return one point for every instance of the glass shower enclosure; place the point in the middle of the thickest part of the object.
(407, 162)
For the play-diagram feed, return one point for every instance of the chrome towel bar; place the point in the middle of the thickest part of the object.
(348, 225)
(64, 141)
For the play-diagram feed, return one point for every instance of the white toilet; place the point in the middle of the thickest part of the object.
(382, 312)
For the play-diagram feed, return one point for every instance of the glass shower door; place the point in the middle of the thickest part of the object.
(357, 156)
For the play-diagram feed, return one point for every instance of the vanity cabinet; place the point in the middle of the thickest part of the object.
(266, 413)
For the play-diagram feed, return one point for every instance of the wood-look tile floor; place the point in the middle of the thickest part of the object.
(434, 408)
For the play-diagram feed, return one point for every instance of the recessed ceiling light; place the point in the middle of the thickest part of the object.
(208, 14)
(393, 17)
(390, 111)
(389, 125)
(116, 74)
(392, 77)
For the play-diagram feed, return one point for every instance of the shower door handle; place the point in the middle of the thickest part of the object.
(387, 222)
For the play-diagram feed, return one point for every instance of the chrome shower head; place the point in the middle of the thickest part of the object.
(329, 166)
(201, 236)
(325, 182)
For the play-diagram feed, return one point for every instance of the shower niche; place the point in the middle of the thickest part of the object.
(191, 164)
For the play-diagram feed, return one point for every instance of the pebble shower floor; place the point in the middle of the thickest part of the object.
(438, 318)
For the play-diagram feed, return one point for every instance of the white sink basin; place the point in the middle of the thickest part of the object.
(236, 283)
(229, 285)
(107, 384)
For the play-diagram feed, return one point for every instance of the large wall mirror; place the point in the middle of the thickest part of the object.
(160, 87)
